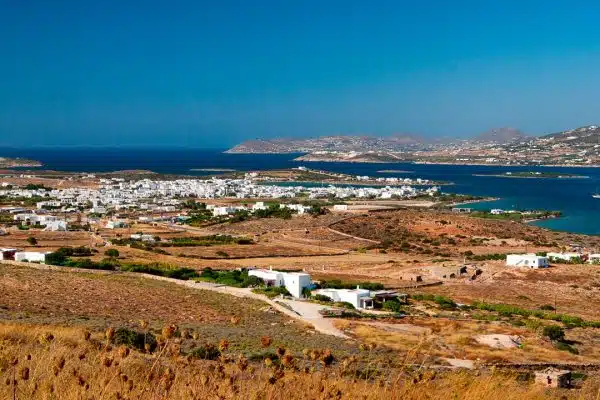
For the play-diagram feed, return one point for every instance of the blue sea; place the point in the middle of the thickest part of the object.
(571, 196)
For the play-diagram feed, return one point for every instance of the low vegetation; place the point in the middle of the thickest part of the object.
(235, 278)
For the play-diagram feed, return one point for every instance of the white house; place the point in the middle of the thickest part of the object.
(594, 259)
(144, 237)
(340, 207)
(359, 298)
(56, 226)
(294, 282)
(31, 256)
(116, 224)
(259, 205)
(563, 256)
(526, 260)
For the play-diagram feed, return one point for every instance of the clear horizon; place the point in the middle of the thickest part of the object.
(213, 74)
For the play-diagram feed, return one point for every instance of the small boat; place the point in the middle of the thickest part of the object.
(596, 195)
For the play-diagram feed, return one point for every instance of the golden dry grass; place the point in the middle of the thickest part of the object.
(45, 362)
(428, 340)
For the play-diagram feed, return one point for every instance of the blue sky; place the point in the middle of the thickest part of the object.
(213, 73)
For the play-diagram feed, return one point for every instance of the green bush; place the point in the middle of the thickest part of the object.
(113, 253)
(162, 270)
(566, 347)
(338, 284)
(206, 352)
(322, 297)
(236, 278)
(134, 339)
(272, 291)
(344, 304)
(392, 306)
(554, 332)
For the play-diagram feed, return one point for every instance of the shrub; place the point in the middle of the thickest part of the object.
(322, 297)
(56, 258)
(134, 339)
(338, 284)
(566, 347)
(206, 352)
(392, 306)
(32, 241)
(445, 303)
(547, 307)
(554, 332)
(344, 304)
(272, 291)
(113, 253)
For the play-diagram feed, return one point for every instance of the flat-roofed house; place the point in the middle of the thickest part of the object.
(359, 298)
(526, 261)
(294, 282)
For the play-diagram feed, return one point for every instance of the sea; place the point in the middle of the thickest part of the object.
(573, 197)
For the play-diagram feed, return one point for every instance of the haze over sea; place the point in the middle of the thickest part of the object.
(571, 196)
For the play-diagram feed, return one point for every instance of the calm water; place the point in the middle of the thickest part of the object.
(571, 196)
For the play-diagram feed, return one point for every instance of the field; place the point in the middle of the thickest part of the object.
(485, 315)
(66, 363)
(96, 302)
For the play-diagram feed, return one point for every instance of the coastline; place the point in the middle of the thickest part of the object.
(532, 177)
(484, 200)
(360, 183)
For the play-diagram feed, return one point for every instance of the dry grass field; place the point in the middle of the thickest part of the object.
(386, 247)
(46, 241)
(47, 362)
(97, 302)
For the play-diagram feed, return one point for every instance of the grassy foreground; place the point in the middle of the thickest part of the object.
(47, 362)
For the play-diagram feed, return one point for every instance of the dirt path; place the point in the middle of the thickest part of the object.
(352, 237)
(310, 313)
(312, 260)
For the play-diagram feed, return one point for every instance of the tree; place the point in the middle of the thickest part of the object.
(56, 258)
(554, 332)
(112, 253)
(32, 241)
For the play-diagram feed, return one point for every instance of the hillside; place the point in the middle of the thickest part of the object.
(583, 135)
(331, 143)
(6, 162)
(501, 135)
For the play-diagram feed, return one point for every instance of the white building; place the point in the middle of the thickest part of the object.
(594, 259)
(259, 205)
(56, 226)
(144, 237)
(359, 298)
(340, 207)
(563, 256)
(294, 282)
(526, 260)
(31, 256)
(116, 224)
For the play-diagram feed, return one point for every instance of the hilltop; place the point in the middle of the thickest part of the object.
(500, 146)
(7, 162)
(501, 135)
(331, 143)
